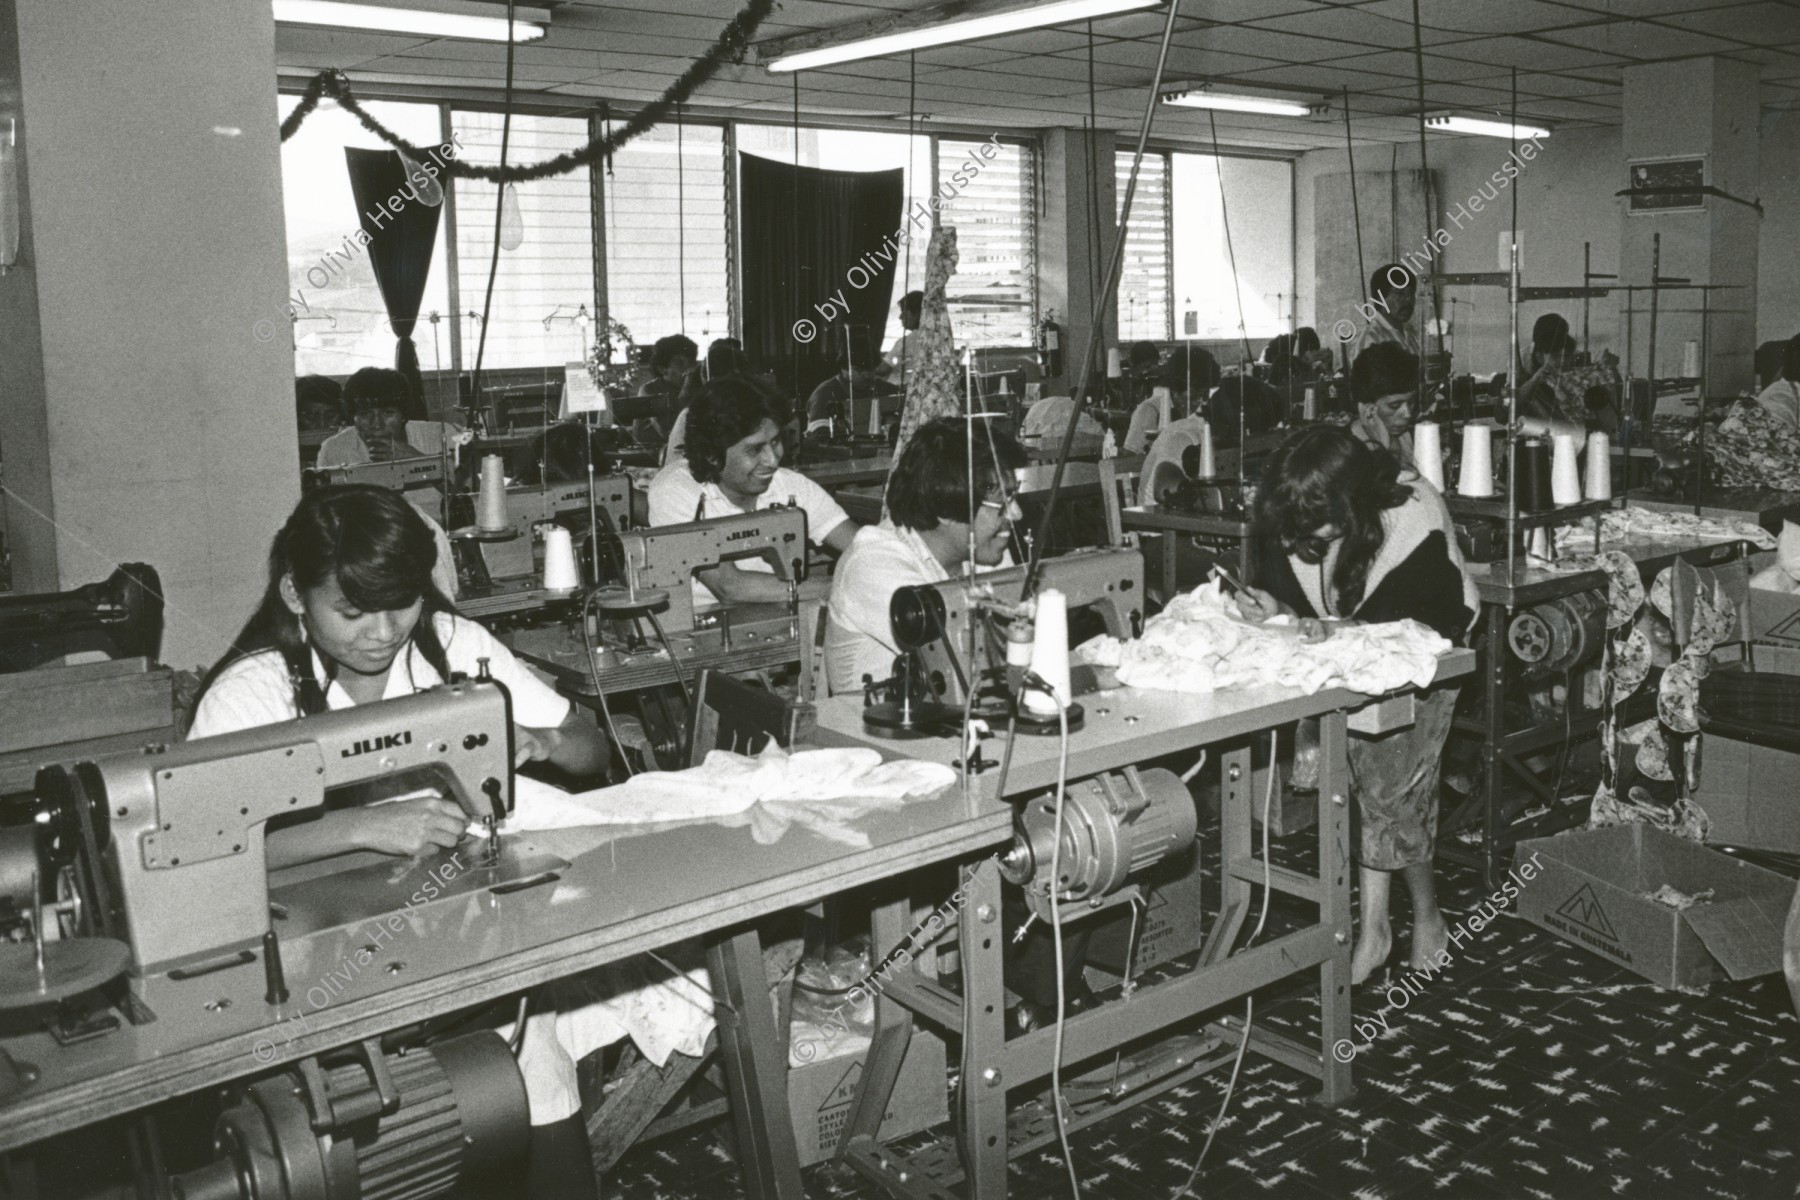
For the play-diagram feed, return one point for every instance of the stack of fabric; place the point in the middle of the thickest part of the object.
(1201, 643)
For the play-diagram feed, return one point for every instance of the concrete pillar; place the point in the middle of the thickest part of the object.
(146, 355)
(1070, 260)
(1705, 107)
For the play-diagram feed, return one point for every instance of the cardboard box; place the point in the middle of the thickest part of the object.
(1172, 925)
(1591, 889)
(1751, 792)
(1775, 618)
(821, 1096)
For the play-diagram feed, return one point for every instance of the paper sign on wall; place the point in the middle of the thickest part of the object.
(580, 394)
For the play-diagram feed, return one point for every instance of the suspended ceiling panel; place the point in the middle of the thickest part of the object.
(1570, 55)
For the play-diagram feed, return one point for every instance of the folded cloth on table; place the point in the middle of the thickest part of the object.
(1200, 643)
(821, 789)
(1625, 524)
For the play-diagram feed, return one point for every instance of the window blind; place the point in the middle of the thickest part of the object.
(993, 204)
(1147, 273)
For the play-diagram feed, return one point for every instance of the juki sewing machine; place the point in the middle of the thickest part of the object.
(501, 573)
(401, 474)
(151, 840)
(950, 643)
(158, 874)
(657, 568)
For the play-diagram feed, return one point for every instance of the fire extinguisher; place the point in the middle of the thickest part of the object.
(1049, 346)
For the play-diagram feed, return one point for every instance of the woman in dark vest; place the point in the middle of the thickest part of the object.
(1340, 537)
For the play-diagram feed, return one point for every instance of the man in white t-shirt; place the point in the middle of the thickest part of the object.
(733, 465)
(925, 540)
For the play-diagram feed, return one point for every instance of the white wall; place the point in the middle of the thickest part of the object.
(144, 415)
(1565, 198)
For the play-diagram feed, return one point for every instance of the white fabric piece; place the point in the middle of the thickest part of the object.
(1200, 643)
(822, 790)
(1049, 418)
(1784, 574)
(661, 1012)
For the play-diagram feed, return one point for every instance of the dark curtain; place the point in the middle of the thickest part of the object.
(804, 230)
(400, 247)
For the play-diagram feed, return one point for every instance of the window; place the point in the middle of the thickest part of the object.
(857, 150)
(1258, 197)
(546, 280)
(993, 204)
(667, 260)
(339, 321)
(1144, 277)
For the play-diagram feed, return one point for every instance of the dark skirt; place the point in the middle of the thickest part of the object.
(1394, 779)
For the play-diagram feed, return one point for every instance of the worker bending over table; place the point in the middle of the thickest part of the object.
(926, 538)
(351, 617)
(733, 465)
(1339, 537)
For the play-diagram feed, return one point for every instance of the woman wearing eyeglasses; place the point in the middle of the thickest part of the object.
(1339, 538)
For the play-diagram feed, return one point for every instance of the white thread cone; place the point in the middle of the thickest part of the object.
(560, 572)
(1209, 467)
(1690, 360)
(1476, 479)
(1428, 453)
(1050, 653)
(1112, 364)
(490, 508)
(1599, 467)
(1565, 471)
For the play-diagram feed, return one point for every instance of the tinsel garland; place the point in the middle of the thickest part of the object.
(729, 48)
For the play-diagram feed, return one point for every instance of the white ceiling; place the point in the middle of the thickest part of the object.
(1569, 55)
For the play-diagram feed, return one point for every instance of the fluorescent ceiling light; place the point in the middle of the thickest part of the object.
(1229, 102)
(952, 29)
(1499, 129)
(443, 18)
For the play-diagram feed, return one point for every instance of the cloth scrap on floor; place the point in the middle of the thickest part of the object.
(1675, 898)
(1200, 643)
(823, 790)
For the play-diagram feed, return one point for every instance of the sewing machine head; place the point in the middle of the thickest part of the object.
(1108, 582)
(401, 474)
(530, 507)
(180, 833)
(664, 558)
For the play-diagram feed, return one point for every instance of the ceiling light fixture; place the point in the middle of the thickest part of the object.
(939, 25)
(1447, 123)
(439, 18)
(1273, 106)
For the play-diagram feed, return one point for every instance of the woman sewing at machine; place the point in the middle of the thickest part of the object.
(1338, 538)
(351, 616)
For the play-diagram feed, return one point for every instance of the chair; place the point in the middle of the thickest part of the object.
(730, 715)
(726, 715)
(1119, 480)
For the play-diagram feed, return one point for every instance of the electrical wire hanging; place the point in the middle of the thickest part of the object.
(487, 304)
(1104, 298)
(1362, 265)
(1237, 292)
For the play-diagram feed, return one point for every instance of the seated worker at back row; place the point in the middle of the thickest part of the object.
(733, 465)
(846, 397)
(1384, 380)
(924, 540)
(672, 359)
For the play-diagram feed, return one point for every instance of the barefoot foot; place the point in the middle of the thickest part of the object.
(1372, 950)
(1429, 939)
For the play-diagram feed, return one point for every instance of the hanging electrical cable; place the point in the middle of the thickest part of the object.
(1362, 265)
(1104, 297)
(681, 216)
(1425, 177)
(487, 303)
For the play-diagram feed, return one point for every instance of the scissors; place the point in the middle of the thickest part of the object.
(1227, 578)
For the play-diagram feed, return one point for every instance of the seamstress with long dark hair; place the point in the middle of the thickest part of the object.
(351, 616)
(1338, 537)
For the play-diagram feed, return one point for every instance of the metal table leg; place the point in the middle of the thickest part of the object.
(1493, 770)
(893, 1030)
(982, 1088)
(1334, 906)
(754, 1055)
